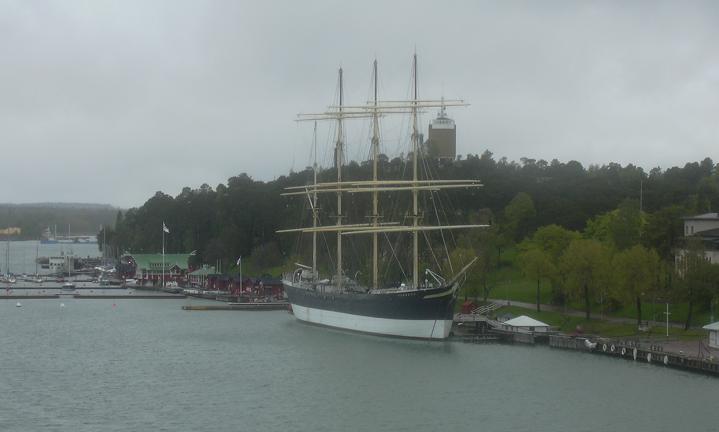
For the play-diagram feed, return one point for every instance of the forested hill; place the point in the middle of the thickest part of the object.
(239, 218)
(33, 218)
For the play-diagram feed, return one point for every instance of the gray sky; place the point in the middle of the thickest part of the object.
(109, 102)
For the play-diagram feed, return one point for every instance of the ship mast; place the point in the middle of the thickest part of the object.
(338, 164)
(374, 109)
(415, 192)
(314, 207)
(375, 193)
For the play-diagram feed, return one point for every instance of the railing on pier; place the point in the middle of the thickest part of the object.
(634, 350)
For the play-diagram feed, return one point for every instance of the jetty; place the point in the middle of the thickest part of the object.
(477, 327)
(652, 353)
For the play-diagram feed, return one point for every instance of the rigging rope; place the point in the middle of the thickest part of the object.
(395, 257)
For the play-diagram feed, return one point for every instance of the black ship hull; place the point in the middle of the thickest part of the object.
(424, 313)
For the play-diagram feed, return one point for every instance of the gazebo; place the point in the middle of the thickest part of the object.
(525, 323)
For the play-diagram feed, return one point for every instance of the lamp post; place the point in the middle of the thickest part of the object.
(667, 314)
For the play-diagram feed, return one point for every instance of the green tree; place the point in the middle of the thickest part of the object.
(695, 275)
(598, 227)
(537, 264)
(552, 240)
(625, 227)
(519, 216)
(635, 273)
(585, 265)
(481, 243)
(662, 230)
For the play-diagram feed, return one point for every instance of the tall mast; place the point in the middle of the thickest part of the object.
(415, 192)
(338, 164)
(375, 194)
(314, 208)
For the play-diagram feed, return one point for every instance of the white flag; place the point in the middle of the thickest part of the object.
(164, 228)
(239, 260)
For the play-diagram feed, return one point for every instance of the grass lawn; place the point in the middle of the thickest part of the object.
(508, 282)
(569, 324)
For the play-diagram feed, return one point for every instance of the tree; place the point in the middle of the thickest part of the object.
(585, 266)
(695, 274)
(662, 229)
(551, 240)
(625, 226)
(537, 264)
(482, 244)
(635, 274)
(519, 216)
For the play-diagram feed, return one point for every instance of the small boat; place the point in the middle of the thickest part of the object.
(18, 304)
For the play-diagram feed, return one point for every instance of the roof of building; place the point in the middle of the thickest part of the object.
(712, 326)
(525, 321)
(146, 261)
(705, 216)
(204, 271)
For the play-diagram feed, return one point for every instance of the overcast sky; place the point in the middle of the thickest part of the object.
(110, 101)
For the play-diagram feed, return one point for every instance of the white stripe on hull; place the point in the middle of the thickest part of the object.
(422, 329)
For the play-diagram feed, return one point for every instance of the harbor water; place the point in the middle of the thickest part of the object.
(136, 365)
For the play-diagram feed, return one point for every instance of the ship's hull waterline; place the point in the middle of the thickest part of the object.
(423, 314)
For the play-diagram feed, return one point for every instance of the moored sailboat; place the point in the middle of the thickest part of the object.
(417, 308)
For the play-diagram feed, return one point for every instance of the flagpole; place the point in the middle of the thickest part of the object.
(239, 263)
(163, 254)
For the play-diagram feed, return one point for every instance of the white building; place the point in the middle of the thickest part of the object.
(525, 323)
(713, 334)
(706, 227)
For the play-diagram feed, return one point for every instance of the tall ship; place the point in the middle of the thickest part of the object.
(421, 304)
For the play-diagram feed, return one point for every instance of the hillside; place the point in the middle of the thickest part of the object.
(33, 218)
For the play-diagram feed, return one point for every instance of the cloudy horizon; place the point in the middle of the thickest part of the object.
(110, 102)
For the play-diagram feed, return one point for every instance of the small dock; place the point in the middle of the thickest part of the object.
(239, 306)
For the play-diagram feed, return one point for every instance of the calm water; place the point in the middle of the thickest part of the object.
(22, 254)
(148, 365)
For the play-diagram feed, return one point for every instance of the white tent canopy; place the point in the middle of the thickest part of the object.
(525, 321)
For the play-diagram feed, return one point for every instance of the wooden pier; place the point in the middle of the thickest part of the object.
(628, 350)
